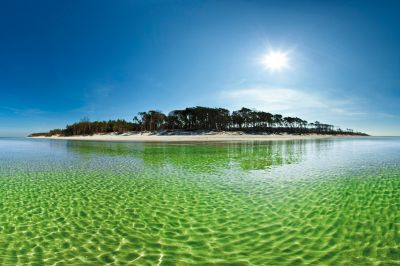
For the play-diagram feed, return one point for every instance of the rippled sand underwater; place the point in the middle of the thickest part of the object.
(310, 202)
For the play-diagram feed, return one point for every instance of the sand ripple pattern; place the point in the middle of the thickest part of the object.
(323, 202)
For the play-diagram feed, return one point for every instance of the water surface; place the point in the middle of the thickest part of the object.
(319, 202)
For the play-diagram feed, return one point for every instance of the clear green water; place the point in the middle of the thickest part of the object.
(322, 202)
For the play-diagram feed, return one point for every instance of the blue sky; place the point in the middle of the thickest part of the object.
(64, 60)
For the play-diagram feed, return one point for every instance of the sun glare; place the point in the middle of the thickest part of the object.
(275, 61)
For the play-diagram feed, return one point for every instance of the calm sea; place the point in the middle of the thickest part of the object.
(319, 202)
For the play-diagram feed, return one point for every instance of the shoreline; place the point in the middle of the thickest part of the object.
(205, 137)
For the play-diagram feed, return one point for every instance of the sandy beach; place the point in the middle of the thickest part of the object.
(190, 137)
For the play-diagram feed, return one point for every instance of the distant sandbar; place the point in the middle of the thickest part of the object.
(187, 136)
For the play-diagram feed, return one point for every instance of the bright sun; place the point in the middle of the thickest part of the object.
(275, 61)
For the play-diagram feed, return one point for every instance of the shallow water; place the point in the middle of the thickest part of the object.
(319, 202)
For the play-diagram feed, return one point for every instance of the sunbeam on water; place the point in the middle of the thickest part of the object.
(320, 202)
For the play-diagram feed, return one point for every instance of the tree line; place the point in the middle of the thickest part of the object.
(202, 118)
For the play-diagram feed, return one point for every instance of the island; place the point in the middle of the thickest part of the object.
(198, 124)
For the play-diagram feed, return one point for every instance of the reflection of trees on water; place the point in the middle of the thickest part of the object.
(90, 148)
(207, 157)
(252, 156)
(246, 155)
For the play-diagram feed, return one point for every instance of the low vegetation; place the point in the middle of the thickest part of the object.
(202, 118)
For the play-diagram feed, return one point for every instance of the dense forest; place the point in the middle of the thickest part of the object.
(201, 118)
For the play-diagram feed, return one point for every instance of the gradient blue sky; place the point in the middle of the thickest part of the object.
(64, 60)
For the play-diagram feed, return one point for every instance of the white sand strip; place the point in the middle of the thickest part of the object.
(226, 136)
